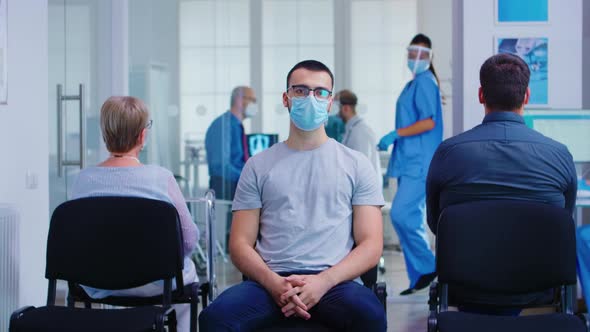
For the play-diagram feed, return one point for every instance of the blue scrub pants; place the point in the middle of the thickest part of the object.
(583, 252)
(407, 216)
(247, 306)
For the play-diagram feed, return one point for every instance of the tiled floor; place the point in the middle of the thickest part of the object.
(404, 313)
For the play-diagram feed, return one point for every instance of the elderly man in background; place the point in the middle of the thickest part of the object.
(226, 145)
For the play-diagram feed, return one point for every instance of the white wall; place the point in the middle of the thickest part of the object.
(24, 140)
(435, 19)
(565, 51)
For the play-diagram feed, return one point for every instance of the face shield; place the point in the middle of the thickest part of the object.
(419, 58)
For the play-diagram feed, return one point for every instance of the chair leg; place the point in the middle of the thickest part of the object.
(170, 320)
(380, 290)
(70, 300)
(433, 307)
(194, 310)
(204, 294)
(567, 300)
(432, 323)
(586, 320)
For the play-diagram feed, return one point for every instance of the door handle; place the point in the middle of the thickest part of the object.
(60, 133)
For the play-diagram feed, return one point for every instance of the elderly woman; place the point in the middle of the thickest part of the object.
(124, 123)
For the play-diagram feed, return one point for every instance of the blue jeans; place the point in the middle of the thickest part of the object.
(247, 306)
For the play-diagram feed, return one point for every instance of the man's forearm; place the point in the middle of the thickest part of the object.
(249, 262)
(361, 259)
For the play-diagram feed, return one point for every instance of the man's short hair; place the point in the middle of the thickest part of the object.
(504, 79)
(347, 97)
(312, 65)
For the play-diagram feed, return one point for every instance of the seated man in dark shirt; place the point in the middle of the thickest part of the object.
(501, 158)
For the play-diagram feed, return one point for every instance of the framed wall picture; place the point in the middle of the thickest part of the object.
(3, 52)
(522, 11)
(534, 51)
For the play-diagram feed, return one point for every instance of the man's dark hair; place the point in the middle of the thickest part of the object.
(347, 97)
(312, 65)
(504, 79)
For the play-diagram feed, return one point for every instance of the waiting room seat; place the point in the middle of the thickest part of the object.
(129, 226)
(502, 251)
(110, 243)
(53, 318)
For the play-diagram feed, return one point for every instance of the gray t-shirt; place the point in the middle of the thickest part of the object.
(306, 200)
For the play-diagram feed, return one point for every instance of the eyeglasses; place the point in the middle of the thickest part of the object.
(149, 124)
(302, 91)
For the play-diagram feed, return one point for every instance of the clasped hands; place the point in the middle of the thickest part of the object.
(297, 294)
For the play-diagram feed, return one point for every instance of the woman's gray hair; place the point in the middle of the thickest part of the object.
(122, 120)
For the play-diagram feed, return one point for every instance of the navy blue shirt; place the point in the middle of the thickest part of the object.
(225, 147)
(500, 159)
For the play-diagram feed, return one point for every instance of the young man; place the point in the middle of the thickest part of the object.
(299, 208)
(501, 158)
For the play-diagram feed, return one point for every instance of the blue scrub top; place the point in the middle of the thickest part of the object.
(225, 147)
(419, 100)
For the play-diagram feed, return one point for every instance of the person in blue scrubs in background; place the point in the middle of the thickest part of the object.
(418, 123)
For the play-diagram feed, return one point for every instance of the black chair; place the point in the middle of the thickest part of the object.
(125, 233)
(53, 318)
(110, 243)
(369, 279)
(501, 254)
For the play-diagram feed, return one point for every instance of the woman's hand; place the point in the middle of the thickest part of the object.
(387, 140)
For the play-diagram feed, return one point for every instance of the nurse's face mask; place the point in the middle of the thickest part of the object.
(307, 112)
(419, 58)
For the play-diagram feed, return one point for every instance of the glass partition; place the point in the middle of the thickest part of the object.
(292, 31)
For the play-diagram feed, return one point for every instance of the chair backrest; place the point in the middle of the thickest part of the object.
(114, 242)
(504, 246)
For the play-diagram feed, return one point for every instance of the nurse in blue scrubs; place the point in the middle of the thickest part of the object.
(418, 132)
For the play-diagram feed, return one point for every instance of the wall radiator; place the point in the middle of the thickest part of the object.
(9, 267)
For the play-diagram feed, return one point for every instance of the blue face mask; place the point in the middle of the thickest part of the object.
(308, 114)
(418, 66)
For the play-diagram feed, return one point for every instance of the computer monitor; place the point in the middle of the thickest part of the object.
(259, 142)
(570, 127)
